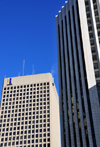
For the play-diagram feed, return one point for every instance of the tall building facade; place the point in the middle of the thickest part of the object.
(78, 46)
(29, 115)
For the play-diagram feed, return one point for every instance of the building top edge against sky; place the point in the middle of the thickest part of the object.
(62, 8)
(28, 79)
(48, 73)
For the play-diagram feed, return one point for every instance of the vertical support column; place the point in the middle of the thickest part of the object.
(77, 78)
(60, 88)
(63, 78)
(82, 76)
(72, 74)
(67, 47)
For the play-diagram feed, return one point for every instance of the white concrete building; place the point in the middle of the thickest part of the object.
(29, 115)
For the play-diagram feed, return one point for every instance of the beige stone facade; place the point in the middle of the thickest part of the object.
(29, 115)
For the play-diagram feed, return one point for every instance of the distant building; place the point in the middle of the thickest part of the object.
(29, 115)
(78, 44)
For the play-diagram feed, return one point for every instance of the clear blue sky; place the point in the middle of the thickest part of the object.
(28, 32)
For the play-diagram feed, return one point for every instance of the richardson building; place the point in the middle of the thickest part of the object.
(29, 115)
(78, 45)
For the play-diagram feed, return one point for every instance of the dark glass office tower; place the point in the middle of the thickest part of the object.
(78, 45)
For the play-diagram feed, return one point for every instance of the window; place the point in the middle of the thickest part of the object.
(36, 140)
(93, 50)
(44, 139)
(97, 74)
(17, 143)
(98, 84)
(44, 125)
(18, 133)
(92, 42)
(2, 134)
(28, 141)
(5, 144)
(94, 57)
(33, 117)
(24, 142)
(44, 116)
(48, 111)
(97, 19)
(96, 13)
(36, 121)
(29, 131)
(40, 116)
(40, 121)
(13, 143)
(32, 141)
(48, 134)
(44, 120)
(98, 26)
(95, 7)
(36, 131)
(10, 133)
(95, 65)
(29, 127)
(48, 139)
(2, 139)
(90, 28)
(21, 137)
(40, 135)
(36, 135)
(48, 145)
(17, 137)
(40, 125)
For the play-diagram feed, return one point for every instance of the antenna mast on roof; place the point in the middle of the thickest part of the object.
(32, 69)
(23, 66)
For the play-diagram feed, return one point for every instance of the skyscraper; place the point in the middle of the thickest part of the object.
(29, 115)
(78, 46)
